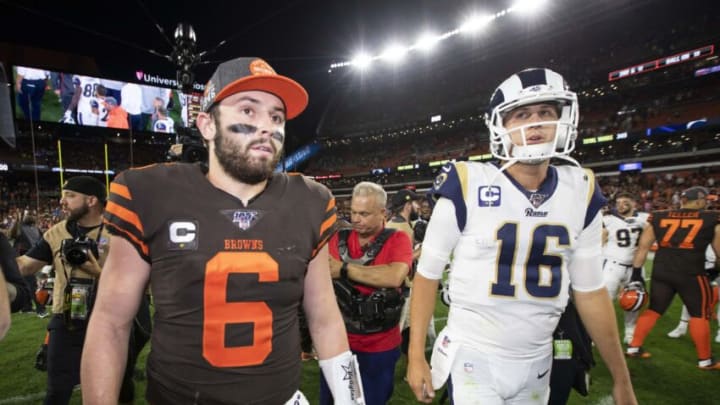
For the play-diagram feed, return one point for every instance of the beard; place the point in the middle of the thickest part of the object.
(237, 162)
(77, 213)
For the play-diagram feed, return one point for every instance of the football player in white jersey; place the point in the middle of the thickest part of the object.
(163, 123)
(84, 99)
(520, 235)
(622, 227)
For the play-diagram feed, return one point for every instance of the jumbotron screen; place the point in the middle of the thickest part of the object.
(76, 99)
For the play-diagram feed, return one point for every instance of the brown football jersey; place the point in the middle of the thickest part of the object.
(226, 278)
(682, 236)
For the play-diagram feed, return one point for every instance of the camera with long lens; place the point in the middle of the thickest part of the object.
(76, 251)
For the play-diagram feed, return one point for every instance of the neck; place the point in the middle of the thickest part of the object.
(90, 220)
(529, 176)
(242, 191)
(365, 239)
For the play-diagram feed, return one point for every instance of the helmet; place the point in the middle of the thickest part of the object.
(633, 297)
(533, 86)
(42, 296)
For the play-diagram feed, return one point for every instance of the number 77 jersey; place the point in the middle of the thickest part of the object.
(509, 275)
(682, 236)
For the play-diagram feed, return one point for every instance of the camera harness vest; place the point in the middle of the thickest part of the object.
(365, 314)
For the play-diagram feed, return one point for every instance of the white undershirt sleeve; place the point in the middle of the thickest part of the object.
(440, 239)
(585, 267)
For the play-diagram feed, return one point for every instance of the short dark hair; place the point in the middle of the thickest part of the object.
(624, 194)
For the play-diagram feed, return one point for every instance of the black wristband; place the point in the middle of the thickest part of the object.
(636, 273)
(344, 271)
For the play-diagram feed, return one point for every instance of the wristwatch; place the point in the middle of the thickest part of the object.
(344, 271)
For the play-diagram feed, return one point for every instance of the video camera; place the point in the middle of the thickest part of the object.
(188, 147)
(76, 251)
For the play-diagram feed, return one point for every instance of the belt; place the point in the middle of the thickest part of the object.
(621, 264)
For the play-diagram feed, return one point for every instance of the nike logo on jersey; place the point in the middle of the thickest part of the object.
(489, 196)
(541, 375)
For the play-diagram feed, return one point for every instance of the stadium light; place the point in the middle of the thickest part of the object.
(426, 42)
(527, 6)
(475, 23)
(361, 60)
(394, 53)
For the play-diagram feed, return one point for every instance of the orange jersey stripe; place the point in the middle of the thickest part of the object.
(327, 224)
(120, 190)
(704, 301)
(125, 214)
(329, 210)
(138, 242)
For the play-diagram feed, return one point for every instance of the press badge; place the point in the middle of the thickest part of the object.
(79, 297)
(562, 349)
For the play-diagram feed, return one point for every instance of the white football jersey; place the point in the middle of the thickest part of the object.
(509, 275)
(623, 236)
(103, 112)
(166, 125)
(710, 257)
(87, 98)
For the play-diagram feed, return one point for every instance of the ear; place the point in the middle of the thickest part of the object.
(206, 126)
(93, 201)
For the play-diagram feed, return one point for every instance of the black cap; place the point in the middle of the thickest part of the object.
(403, 196)
(86, 185)
(695, 193)
(248, 74)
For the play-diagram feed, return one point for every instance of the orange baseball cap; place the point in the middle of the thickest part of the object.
(248, 74)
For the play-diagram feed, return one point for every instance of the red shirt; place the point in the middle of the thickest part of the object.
(397, 248)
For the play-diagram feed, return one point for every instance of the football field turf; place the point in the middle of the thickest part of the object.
(670, 377)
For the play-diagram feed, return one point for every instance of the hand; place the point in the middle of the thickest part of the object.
(335, 266)
(91, 265)
(420, 381)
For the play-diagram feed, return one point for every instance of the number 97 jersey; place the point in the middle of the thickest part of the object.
(623, 234)
(509, 274)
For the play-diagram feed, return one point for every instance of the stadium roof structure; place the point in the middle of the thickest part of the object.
(303, 38)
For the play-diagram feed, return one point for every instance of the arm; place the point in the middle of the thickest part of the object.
(4, 308)
(327, 329)
(324, 320)
(598, 316)
(122, 284)
(29, 266)
(647, 238)
(422, 306)
(596, 310)
(18, 290)
(390, 275)
(440, 238)
(604, 236)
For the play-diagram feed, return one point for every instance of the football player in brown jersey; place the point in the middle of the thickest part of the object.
(679, 268)
(230, 256)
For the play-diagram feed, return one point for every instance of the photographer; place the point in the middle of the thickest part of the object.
(76, 247)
